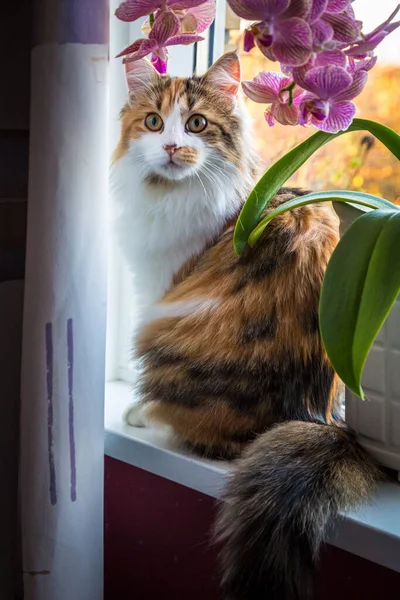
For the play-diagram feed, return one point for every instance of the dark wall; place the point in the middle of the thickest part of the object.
(157, 546)
(15, 24)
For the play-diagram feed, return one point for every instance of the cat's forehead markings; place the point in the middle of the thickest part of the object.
(172, 92)
(159, 103)
(192, 91)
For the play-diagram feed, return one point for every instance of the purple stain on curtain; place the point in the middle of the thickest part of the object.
(71, 21)
(72, 457)
(50, 415)
(85, 21)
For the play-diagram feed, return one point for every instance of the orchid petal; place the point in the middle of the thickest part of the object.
(305, 113)
(132, 48)
(188, 23)
(355, 88)
(299, 74)
(337, 6)
(340, 117)
(266, 50)
(292, 42)
(366, 64)
(269, 118)
(285, 114)
(392, 27)
(138, 52)
(159, 63)
(258, 9)
(361, 50)
(331, 57)
(297, 8)
(165, 26)
(182, 4)
(248, 40)
(184, 38)
(327, 82)
(371, 41)
(130, 10)
(383, 26)
(265, 87)
(367, 45)
(146, 27)
(318, 109)
(162, 52)
(281, 82)
(317, 9)
(345, 28)
(350, 11)
(305, 117)
(204, 15)
(297, 94)
(288, 71)
(321, 32)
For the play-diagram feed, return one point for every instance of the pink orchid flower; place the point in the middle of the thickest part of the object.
(130, 10)
(333, 20)
(319, 7)
(198, 18)
(282, 32)
(327, 104)
(163, 33)
(319, 59)
(366, 64)
(330, 57)
(269, 88)
(370, 41)
(193, 20)
(323, 55)
(248, 41)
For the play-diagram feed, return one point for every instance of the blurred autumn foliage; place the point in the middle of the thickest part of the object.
(355, 161)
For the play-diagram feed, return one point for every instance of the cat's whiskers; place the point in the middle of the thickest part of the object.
(203, 186)
(215, 170)
(211, 176)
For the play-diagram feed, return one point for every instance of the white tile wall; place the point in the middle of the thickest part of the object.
(377, 419)
(374, 370)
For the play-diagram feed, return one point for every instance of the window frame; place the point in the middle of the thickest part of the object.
(373, 532)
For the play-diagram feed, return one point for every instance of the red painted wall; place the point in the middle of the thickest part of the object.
(157, 546)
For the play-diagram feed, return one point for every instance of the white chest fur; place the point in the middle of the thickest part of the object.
(159, 227)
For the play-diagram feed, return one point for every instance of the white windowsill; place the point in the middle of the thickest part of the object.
(372, 533)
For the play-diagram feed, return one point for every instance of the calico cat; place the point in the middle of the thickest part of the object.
(232, 359)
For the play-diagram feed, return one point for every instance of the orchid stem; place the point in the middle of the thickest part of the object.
(289, 88)
(151, 19)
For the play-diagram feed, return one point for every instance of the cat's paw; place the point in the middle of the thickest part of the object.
(134, 415)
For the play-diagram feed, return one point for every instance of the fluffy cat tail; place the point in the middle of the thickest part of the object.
(286, 490)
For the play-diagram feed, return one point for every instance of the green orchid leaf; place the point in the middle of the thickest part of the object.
(284, 168)
(361, 284)
(358, 198)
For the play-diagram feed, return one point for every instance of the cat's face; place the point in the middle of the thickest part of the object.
(174, 129)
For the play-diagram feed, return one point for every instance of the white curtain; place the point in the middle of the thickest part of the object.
(65, 305)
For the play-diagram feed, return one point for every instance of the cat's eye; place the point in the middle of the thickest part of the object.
(196, 124)
(154, 122)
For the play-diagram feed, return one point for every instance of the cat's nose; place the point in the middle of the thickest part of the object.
(170, 149)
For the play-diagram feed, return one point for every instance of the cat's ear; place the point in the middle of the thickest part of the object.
(139, 73)
(225, 74)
